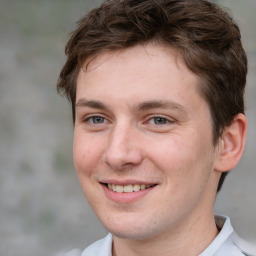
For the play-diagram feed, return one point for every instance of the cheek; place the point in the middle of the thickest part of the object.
(86, 153)
(182, 156)
(171, 152)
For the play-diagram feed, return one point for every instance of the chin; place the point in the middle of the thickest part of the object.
(133, 232)
(131, 235)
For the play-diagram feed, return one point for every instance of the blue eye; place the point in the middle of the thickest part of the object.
(96, 120)
(158, 120)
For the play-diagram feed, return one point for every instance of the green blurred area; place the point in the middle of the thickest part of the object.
(43, 210)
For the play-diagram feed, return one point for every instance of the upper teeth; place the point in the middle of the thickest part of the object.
(127, 188)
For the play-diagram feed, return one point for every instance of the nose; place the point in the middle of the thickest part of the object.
(123, 148)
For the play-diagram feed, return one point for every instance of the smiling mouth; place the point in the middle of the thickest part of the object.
(128, 188)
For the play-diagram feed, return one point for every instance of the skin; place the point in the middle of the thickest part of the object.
(141, 120)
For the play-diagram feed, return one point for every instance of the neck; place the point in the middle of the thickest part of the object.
(190, 240)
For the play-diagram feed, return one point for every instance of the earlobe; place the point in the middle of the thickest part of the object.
(231, 145)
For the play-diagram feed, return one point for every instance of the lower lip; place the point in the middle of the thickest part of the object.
(125, 198)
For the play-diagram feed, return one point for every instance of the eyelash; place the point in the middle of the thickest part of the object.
(166, 120)
(87, 120)
(152, 122)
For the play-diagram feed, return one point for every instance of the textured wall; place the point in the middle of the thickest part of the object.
(42, 208)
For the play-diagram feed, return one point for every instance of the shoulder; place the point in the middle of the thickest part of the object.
(102, 247)
(228, 242)
(243, 246)
(236, 246)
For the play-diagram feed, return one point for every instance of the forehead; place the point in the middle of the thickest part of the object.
(150, 52)
(144, 72)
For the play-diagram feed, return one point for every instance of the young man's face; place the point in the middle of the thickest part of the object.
(143, 130)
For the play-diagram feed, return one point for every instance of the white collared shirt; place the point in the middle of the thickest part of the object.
(227, 243)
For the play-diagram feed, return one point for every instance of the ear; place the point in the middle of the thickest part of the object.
(231, 144)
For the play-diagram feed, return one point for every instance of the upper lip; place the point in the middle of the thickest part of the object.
(127, 182)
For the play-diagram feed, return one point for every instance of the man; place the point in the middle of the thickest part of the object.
(156, 89)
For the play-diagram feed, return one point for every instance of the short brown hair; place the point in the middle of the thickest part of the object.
(206, 37)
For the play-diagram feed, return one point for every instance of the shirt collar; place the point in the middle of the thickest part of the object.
(224, 225)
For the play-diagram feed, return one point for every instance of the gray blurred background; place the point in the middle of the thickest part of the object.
(42, 208)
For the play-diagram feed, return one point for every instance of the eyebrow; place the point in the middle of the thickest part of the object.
(143, 106)
(91, 103)
(160, 104)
